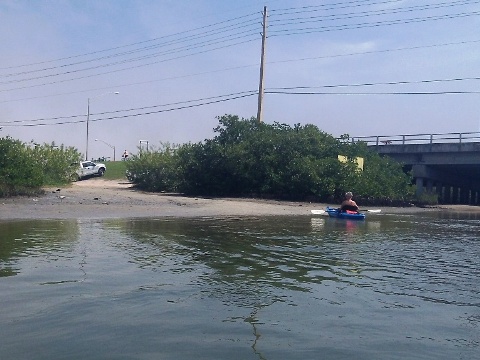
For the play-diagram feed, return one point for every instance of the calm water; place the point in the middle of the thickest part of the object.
(403, 287)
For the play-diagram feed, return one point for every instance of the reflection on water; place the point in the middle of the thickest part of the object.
(263, 288)
(30, 238)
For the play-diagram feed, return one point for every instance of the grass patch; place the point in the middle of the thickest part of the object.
(428, 199)
(115, 170)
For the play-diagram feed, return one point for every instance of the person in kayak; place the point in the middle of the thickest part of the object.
(348, 204)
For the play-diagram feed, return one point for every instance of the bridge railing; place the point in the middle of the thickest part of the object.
(419, 138)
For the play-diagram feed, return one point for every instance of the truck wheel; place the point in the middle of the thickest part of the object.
(101, 171)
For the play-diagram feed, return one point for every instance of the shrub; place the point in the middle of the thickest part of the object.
(55, 162)
(153, 170)
(25, 169)
(427, 199)
(247, 158)
(19, 174)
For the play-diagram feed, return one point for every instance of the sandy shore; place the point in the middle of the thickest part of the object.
(98, 198)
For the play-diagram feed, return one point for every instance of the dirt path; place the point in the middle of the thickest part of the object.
(98, 198)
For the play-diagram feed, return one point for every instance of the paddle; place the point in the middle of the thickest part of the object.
(321, 212)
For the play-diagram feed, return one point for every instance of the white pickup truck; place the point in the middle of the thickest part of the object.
(89, 168)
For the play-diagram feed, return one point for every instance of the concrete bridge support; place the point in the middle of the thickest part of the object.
(449, 169)
(429, 186)
(453, 189)
(454, 195)
(419, 186)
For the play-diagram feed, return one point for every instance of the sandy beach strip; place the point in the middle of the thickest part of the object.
(97, 198)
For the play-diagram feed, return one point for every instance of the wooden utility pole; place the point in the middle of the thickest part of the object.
(262, 63)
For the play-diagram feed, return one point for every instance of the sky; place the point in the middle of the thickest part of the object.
(144, 72)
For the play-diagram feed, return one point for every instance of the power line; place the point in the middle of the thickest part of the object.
(373, 93)
(379, 83)
(212, 42)
(278, 90)
(128, 45)
(234, 95)
(240, 97)
(363, 14)
(378, 51)
(135, 83)
(271, 91)
(310, 30)
(230, 37)
(203, 101)
(251, 65)
(151, 47)
(128, 68)
(324, 7)
(352, 5)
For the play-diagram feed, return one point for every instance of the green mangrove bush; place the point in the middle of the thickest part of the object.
(247, 158)
(24, 169)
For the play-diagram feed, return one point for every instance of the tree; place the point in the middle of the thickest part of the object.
(19, 174)
(55, 162)
(24, 169)
(154, 170)
(247, 158)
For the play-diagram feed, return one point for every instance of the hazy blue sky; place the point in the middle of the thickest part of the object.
(359, 67)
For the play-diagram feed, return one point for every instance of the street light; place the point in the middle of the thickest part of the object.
(88, 116)
(113, 147)
(143, 141)
(140, 146)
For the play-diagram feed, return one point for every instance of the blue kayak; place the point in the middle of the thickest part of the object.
(336, 213)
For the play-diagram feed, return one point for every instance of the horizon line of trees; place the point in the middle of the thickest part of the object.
(245, 158)
(251, 159)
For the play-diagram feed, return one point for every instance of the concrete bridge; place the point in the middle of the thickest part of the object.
(444, 164)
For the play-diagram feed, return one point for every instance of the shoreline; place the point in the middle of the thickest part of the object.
(97, 198)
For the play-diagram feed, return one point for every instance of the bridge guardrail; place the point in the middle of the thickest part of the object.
(379, 140)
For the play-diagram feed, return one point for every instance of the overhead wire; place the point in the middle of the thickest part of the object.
(363, 14)
(123, 69)
(219, 40)
(311, 30)
(212, 100)
(278, 90)
(128, 45)
(350, 5)
(250, 65)
(235, 98)
(169, 43)
(273, 32)
(380, 83)
(330, 6)
(374, 93)
(378, 51)
(203, 101)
